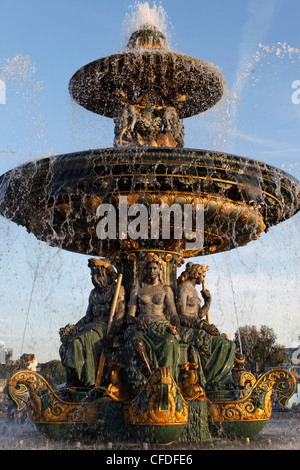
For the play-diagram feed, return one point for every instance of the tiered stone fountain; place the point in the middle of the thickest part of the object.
(148, 90)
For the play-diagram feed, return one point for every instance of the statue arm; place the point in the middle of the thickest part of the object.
(207, 301)
(204, 325)
(132, 306)
(181, 304)
(170, 303)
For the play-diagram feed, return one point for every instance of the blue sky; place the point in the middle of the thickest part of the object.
(256, 46)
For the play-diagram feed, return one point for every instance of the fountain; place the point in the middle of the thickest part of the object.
(145, 363)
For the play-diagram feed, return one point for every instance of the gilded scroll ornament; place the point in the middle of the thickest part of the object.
(160, 402)
(257, 405)
(45, 406)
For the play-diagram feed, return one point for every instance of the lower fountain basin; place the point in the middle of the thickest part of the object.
(57, 198)
(151, 416)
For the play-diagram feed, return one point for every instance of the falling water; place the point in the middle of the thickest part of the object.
(153, 17)
(28, 310)
(22, 110)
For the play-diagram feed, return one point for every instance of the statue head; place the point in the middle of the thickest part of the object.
(193, 271)
(102, 272)
(152, 266)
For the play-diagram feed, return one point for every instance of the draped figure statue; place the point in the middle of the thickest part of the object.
(212, 352)
(83, 342)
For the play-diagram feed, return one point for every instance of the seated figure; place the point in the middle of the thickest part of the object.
(151, 339)
(83, 342)
(212, 352)
(148, 122)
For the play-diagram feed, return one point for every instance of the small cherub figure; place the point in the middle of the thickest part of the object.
(190, 388)
(117, 387)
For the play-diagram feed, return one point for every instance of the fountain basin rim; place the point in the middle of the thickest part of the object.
(239, 194)
(94, 85)
(189, 154)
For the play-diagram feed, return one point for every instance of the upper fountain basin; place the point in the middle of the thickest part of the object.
(147, 67)
(57, 198)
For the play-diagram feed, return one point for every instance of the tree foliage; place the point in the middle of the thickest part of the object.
(260, 348)
(53, 369)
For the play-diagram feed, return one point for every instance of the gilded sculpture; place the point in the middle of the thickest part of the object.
(153, 322)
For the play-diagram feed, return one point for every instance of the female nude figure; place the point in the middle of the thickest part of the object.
(152, 336)
(213, 353)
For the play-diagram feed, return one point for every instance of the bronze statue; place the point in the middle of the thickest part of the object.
(188, 302)
(211, 351)
(153, 323)
(124, 125)
(148, 123)
(173, 126)
(83, 342)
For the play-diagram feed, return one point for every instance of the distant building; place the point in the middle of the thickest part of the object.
(294, 355)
